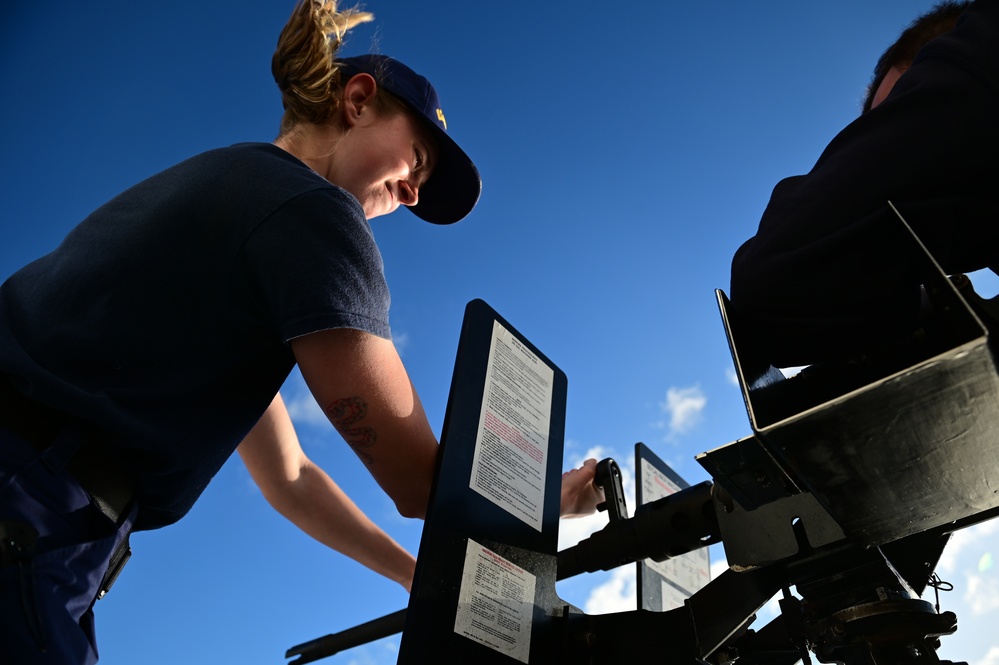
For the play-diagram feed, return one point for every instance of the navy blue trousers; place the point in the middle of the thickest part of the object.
(47, 594)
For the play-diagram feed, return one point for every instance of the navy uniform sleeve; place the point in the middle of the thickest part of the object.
(830, 273)
(315, 265)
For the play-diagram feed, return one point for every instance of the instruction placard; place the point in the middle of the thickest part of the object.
(688, 572)
(511, 445)
(495, 602)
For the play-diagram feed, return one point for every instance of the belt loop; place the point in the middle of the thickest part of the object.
(65, 444)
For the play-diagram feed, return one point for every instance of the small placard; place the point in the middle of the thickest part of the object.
(495, 603)
(665, 585)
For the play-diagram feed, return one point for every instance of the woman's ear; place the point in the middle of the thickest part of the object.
(358, 98)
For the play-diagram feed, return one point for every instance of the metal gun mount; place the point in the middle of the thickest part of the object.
(847, 491)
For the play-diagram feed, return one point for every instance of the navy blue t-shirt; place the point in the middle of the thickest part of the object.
(164, 317)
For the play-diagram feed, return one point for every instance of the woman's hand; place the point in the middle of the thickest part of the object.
(580, 495)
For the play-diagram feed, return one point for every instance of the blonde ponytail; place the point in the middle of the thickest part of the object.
(303, 63)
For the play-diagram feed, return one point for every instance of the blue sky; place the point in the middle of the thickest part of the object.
(626, 152)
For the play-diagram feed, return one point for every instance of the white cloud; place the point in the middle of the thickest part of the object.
(731, 376)
(571, 531)
(303, 409)
(618, 594)
(962, 540)
(684, 407)
(991, 658)
(596, 452)
(981, 594)
(301, 405)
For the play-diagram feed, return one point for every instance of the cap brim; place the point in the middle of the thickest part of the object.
(454, 186)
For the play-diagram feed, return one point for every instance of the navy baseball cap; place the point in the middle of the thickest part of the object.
(454, 185)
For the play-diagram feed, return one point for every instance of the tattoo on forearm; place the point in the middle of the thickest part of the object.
(345, 414)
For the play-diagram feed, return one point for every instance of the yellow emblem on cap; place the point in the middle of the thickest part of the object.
(440, 116)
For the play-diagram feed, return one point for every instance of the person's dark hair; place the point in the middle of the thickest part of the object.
(940, 19)
(304, 64)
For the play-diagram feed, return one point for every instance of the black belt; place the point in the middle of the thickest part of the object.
(92, 466)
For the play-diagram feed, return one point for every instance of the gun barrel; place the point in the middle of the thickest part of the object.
(660, 530)
(313, 650)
